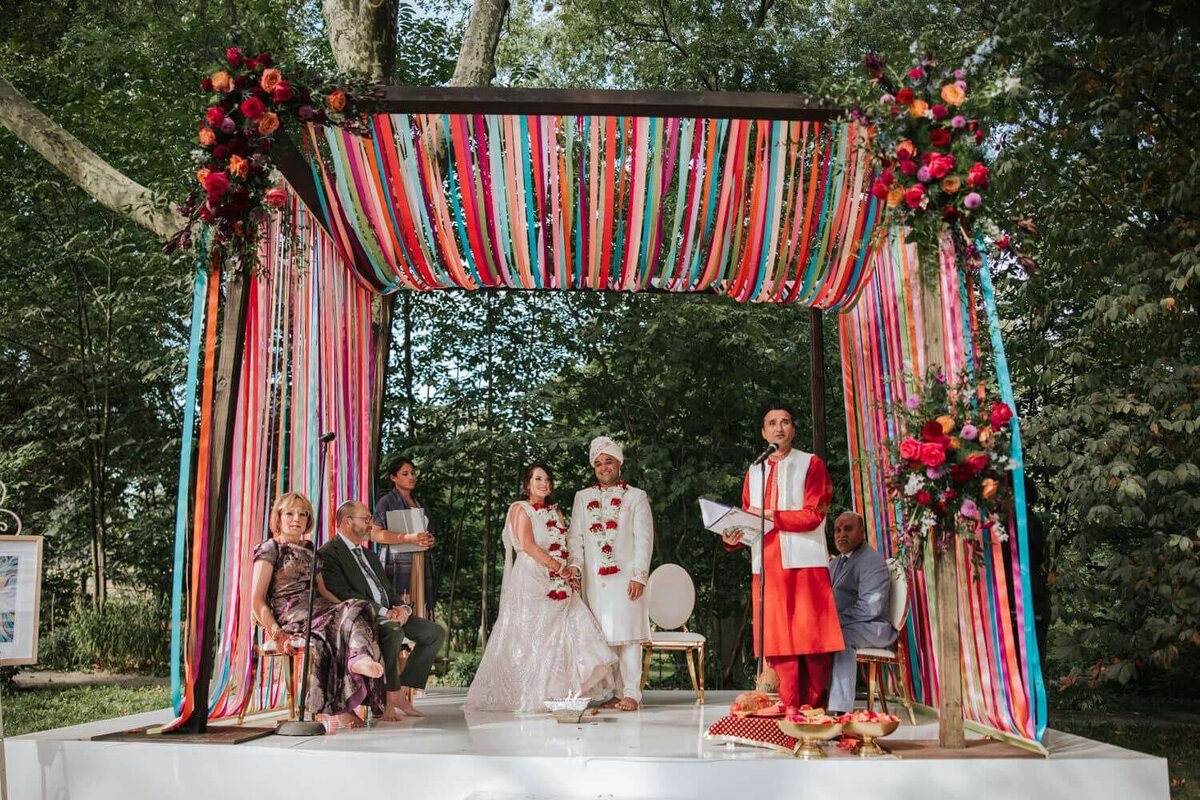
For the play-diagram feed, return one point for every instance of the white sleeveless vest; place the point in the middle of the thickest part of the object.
(803, 549)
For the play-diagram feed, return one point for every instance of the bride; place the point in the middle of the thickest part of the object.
(546, 645)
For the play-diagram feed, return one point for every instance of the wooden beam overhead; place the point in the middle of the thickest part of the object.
(594, 102)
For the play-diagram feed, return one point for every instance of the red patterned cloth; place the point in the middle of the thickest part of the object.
(754, 731)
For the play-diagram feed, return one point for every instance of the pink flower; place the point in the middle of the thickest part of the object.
(969, 509)
(961, 84)
(935, 473)
(228, 125)
(969, 432)
(277, 197)
(887, 99)
(959, 121)
(960, 74)
(973, 200)
(923, 175)
(912, 402)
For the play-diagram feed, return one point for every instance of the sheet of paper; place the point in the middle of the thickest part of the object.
(719, 517)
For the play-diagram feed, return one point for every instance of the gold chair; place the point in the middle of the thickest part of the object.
(670, 598)
(291, 671)
(895, 657)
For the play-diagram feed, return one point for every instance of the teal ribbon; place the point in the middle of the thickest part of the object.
(1033, 663)
(199, 290)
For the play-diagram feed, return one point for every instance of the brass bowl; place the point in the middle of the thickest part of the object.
(867, 733)
(809, 735)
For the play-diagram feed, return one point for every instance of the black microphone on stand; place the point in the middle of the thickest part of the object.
(771, 448)
(301, 726)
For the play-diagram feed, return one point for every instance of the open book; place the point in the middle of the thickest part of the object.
(719, 518)
(407, 520)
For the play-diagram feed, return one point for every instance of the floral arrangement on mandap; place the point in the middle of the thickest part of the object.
(950, 472)
(926, 147)
(251, 102)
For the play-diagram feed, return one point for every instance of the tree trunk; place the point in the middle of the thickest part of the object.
(477, 57)
(87, 170)
(362, 35)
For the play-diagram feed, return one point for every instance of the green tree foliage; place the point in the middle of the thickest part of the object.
(1102, 156)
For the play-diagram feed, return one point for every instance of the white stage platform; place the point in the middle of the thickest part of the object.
(659, 752)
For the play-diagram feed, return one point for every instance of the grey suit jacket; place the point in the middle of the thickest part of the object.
(861, 589)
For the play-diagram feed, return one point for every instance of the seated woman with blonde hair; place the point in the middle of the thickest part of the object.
(346, 667)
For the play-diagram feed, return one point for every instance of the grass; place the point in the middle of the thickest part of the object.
(34, 710)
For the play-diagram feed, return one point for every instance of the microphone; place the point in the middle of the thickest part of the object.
(771, 448)
(327, 438)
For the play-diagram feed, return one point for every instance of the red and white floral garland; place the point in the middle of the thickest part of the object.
(602, 524)
(548, 514)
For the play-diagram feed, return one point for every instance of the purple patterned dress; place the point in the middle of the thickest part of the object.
(341, 633)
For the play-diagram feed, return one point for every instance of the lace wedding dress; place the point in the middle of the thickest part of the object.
(541, 648)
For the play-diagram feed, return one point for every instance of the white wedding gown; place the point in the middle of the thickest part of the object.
(540, 649)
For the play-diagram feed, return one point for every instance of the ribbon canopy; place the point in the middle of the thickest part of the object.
(761, 207)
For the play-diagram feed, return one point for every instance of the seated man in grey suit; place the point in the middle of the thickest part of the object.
(861, 588)
(350, 571)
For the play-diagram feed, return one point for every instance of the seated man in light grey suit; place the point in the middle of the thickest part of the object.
(861, 588)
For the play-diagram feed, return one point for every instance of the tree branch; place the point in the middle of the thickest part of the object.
(477, 57)
(86, 169)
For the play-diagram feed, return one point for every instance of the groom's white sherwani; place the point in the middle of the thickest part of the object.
(597, 547)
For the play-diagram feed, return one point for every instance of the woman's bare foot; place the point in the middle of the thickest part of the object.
(348, 719)
(612, 702)
(627, 704)
(367, 667)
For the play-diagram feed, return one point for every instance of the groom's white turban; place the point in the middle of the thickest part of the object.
(604, 446)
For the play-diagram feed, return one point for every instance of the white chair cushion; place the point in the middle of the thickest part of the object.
(675, 637)
(670, 596)
(898, 601)
(269, 648)
(876, 652)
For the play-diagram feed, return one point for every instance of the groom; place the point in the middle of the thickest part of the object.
(610, 540)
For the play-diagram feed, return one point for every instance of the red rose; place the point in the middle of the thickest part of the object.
(924, 497)
(611, 524)
(879, 190)
(1001, 414)
(253, 108)
(234, 56)
(596, 527)
(939, 137)
(933, 455)
(908, 167)
(214, 115)
(264, 59)
(206, 84)
(1004, 242)
(216, 184)
(241, 81)
(910, 448)
(916, 73)
(606, 548)
(593, 504)
(978, 462)
(905, 97)
(977, 176)
(940, 165)
(932, 431)
(915, 196)
(553, 547)
(616, 502)
(978, 137)
(939, 111)
(961, 473)
(282, 93)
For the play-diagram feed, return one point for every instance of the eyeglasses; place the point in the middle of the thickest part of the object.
(367, 517)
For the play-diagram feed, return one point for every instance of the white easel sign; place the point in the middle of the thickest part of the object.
(20, 598)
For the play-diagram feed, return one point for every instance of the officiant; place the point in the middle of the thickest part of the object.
(412, 575)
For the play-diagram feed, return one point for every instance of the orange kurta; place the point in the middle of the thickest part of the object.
(801, 615)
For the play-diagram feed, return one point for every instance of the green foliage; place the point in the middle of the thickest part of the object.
(461, 670)
(1102, 158)
(42, 709)
(129, 635)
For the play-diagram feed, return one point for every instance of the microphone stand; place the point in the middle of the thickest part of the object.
(302, 727)
(762, 570)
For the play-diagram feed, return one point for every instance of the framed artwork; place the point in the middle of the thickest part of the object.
(20, 598)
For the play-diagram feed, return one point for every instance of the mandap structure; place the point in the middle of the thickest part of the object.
(763, 198)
